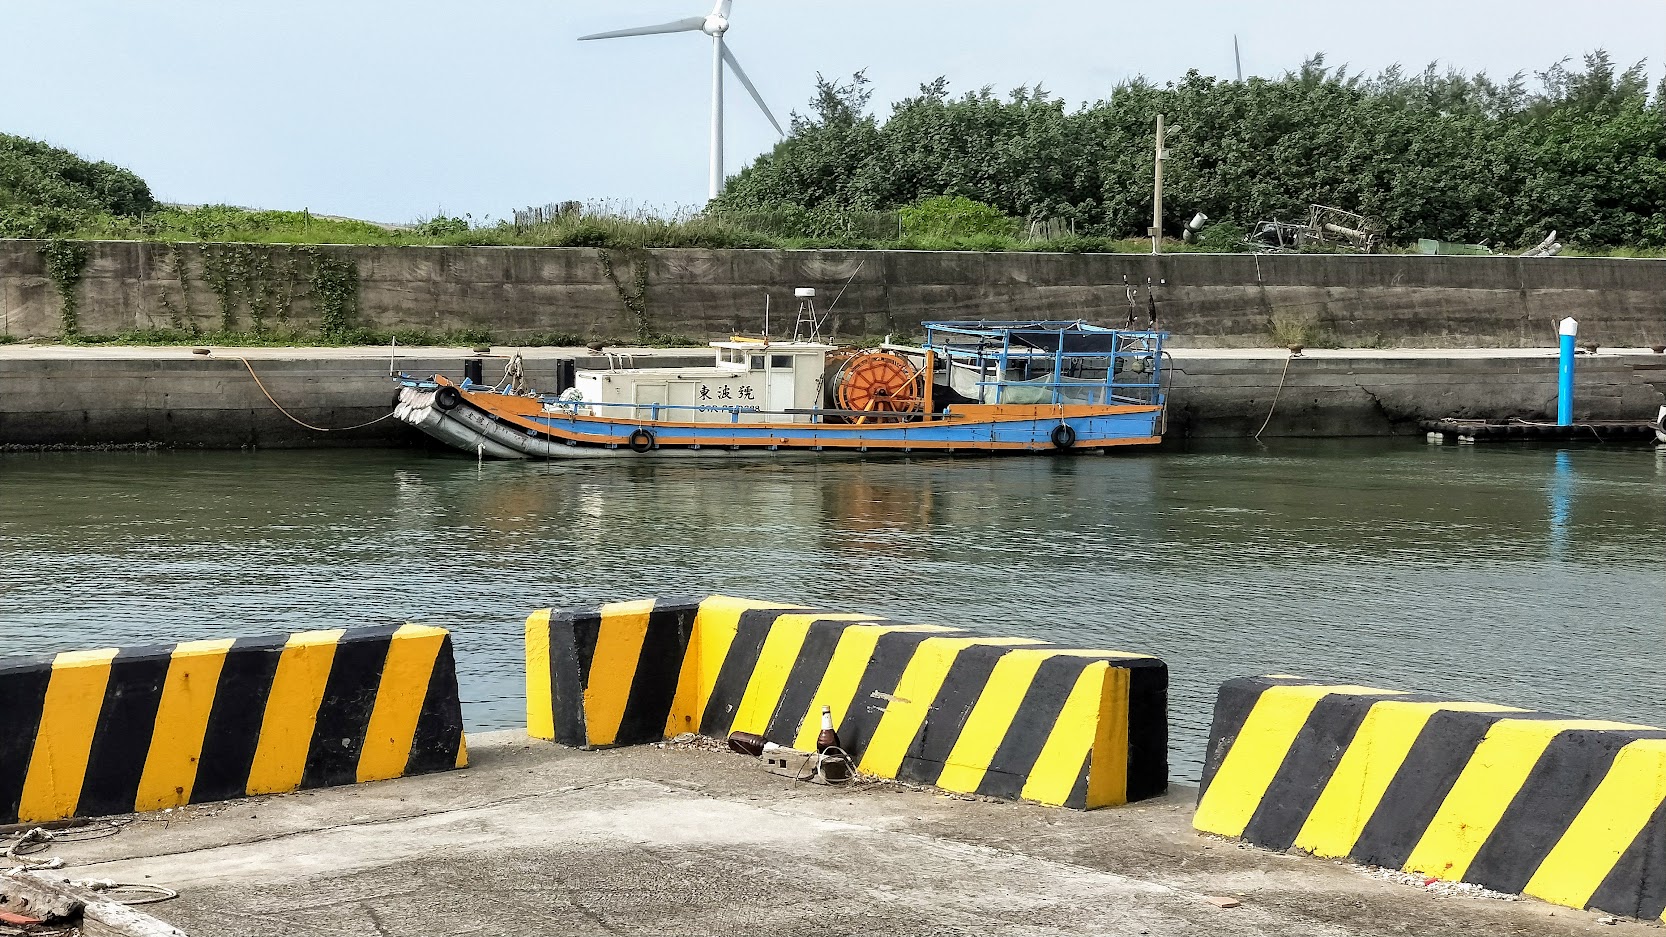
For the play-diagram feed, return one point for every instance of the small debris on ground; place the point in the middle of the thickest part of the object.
(1608, 920)
(688, 741)
(1438, 887)
(1222, 901)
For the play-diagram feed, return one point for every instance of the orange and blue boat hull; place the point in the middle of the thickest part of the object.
(499, 425)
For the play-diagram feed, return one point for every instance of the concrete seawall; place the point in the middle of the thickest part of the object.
(1207, 300)
(65, 396)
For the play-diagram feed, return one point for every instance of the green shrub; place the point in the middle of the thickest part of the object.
(46, 191)
(956, 217)
(1223, 237)
(441, 226)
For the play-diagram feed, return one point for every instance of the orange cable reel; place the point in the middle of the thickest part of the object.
(881, 383)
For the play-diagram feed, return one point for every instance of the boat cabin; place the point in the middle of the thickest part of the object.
(748, 382)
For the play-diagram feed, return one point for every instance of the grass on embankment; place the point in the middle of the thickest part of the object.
(405, 338)
(223, 224)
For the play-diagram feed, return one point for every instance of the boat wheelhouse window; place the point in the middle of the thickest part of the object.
(757, 362)
(781, 362)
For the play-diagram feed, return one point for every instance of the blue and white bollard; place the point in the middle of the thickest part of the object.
(1564, 385)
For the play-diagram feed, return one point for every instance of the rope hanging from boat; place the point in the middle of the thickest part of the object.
(297, 420)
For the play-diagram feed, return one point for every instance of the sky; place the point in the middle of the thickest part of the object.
(398, 110)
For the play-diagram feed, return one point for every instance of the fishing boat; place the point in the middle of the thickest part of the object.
(995, 387)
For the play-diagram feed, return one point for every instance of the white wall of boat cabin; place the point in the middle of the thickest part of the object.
(733, 385)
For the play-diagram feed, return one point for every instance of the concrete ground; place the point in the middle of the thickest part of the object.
(24, 351)
(538, 839)
(54, 352)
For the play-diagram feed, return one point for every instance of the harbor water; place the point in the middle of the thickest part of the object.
(1528, 576)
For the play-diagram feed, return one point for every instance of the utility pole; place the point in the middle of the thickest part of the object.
(1157, 195)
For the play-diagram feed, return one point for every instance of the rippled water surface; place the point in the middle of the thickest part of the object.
(1524, 576)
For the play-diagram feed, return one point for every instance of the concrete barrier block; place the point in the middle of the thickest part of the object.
(94, 733)
(1004, 717)
(1572, 811)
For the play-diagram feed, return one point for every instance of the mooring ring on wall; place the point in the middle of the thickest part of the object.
(1064, 436)
(448, 398)
(641, 441)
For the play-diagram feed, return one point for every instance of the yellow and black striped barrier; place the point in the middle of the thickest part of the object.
(1002, 717)
(1566, 810)
(95, 733)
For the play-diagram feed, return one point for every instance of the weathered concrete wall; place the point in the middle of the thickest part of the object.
(1373, 395)
(1205, 300)
(130, 396)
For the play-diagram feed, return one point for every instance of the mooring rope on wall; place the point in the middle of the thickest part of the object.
(297, 420)
(1265, 423)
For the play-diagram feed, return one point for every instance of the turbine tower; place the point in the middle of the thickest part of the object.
(714, 25)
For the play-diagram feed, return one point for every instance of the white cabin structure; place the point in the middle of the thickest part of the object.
(771, 377)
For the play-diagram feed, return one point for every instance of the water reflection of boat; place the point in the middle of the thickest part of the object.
(969, 387)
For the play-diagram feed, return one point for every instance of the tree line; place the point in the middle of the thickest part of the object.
(1579, 148)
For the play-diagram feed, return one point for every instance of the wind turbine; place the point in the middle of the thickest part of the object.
(714, 25)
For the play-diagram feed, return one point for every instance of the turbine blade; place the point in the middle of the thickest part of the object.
(688, 25)
(741, 74)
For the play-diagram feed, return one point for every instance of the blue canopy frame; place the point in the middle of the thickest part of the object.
(1069, 354)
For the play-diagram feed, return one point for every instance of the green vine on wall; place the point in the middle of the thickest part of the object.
(223, 270)
(66, 261)
(335, 292)
(263, 281)
(259, 279)
(636, 298)
(182, 320)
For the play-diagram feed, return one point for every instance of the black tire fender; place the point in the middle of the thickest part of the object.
(1063, 436)
(447, 398)
(641, 441)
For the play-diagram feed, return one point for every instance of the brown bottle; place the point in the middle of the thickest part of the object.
(747, 743)
(828, 738)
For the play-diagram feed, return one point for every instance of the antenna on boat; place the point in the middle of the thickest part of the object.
(808, 318)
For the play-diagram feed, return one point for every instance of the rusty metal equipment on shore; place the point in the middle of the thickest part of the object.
(1326, 228)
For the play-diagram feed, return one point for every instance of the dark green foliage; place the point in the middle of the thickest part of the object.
(1223, 237)
(1444, 155)
(50, 192)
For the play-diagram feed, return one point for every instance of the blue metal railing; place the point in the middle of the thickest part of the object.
(1116, 351)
